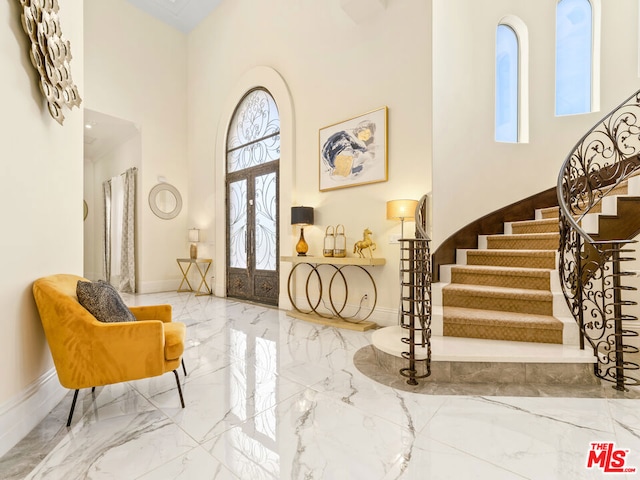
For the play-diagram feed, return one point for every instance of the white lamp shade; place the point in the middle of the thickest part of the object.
(194, 235)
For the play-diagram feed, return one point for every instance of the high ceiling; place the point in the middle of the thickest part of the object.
(103, 132)
(181, 14)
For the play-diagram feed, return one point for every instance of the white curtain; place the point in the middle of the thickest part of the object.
(127, 253)
(119, 224)
(117, 201)
(106, 190)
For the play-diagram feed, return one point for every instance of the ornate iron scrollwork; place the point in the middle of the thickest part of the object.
(591, 272)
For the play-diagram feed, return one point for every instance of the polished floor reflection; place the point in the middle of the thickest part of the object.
(271, 397)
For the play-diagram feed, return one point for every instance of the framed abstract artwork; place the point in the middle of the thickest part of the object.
(354, 152)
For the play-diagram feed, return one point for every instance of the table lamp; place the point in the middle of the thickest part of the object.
(194, 238)
(302, 216)
(401, 210)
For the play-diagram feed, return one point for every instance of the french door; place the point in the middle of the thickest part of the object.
(253, 155)
(252, 234)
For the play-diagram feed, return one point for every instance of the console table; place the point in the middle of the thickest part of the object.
(202, 266)
(334, 317)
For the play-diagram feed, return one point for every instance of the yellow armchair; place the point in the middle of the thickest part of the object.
(90, 353)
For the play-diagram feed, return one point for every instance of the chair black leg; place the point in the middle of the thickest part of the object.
(184, 369)
(73, 406)
(175, 372)
(93, 389)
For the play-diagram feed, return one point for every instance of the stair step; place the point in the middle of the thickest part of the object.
(500, 325)
(526, 278)
(516, 300)
(550, 212)
(547, 225)
(513, 258)
(529, 241)
(597, 208)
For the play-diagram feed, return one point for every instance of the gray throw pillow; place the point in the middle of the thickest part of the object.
(103, 302)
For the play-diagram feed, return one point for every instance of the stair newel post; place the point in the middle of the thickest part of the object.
(617, 313)
(412, 315)
(415, 296)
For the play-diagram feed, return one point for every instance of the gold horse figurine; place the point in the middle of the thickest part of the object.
(366, 242)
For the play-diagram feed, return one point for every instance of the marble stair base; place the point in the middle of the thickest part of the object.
(493, 364)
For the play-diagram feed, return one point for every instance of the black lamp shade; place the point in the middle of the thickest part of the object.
(301, 215)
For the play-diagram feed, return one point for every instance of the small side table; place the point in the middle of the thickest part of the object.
(202, 265)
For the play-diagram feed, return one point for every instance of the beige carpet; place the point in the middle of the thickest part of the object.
(504, 291)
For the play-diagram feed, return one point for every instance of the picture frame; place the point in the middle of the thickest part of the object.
(354, 151)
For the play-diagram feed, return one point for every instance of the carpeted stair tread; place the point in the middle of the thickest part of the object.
(528, 241)
(497, 325)
(498, 292)
(539, 302)
(547, 225)
(550, 212)
(513, 258)
(473, 316)
(511, 277)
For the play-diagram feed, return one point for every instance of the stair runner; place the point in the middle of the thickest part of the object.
(504, 291)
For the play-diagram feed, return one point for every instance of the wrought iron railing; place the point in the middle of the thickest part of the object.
(415, 314)
(591, 269)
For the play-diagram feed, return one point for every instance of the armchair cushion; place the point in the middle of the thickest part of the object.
(174, 334)
(103, 302)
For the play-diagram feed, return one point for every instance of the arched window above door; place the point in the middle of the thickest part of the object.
(254, 132)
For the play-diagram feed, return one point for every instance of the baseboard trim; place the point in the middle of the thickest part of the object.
(158, 286)
(19, 415)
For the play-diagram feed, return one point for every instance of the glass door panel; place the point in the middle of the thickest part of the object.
(266, 221)
(238, 224)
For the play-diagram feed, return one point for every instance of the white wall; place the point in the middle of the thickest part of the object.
(42, 224)
(136, 70)
(333, 69)
(473, 175)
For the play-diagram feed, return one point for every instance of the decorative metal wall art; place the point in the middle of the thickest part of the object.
(50, 54)
(354, 152)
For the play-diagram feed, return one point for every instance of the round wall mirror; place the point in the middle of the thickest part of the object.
(165, 201)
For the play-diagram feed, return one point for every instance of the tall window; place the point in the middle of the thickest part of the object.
(507, 70)
(574, 56)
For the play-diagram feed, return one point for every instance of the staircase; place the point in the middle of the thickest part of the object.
(507, 289)
(547, 292)
(499, 317)
(503, 290)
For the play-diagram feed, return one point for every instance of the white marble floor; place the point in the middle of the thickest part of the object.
(271, 397)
